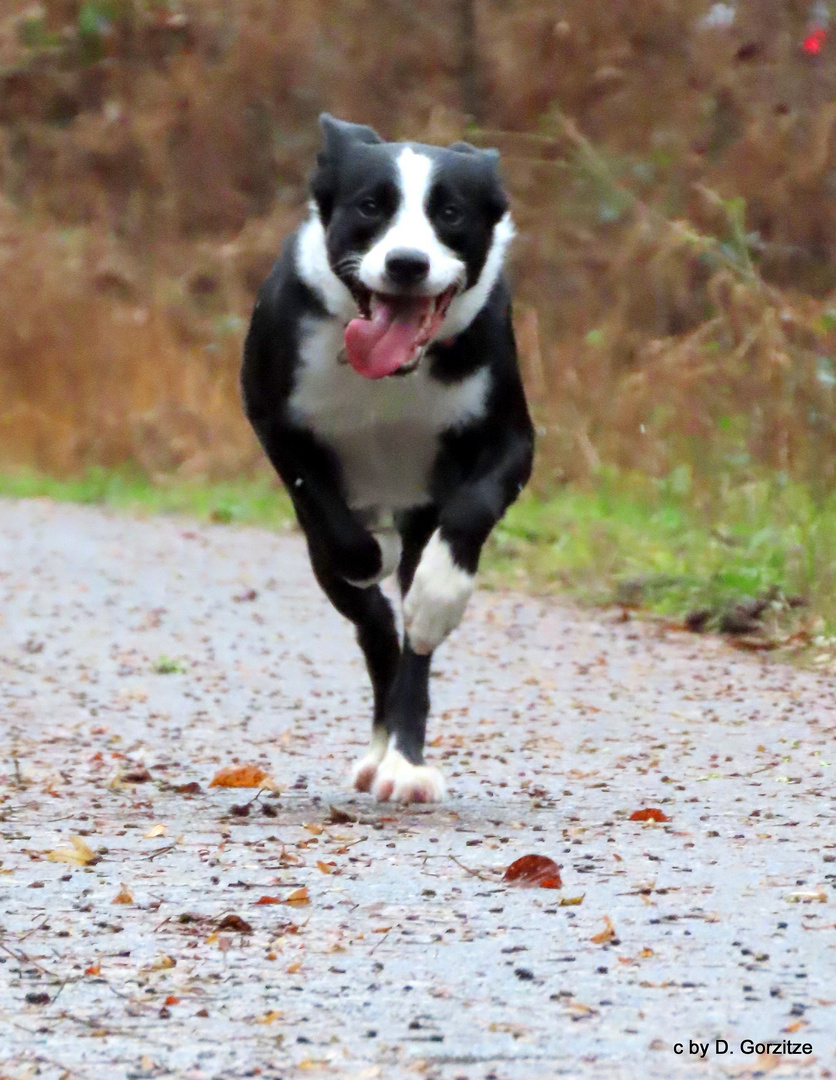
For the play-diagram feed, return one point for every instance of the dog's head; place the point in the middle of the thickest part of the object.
(417, 235)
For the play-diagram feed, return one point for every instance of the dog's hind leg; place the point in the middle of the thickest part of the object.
(377, 636)
(402, 775)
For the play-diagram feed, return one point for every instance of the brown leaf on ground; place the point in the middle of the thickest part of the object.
(251, 776)
(535, 872)
(77, 855)
(299, 896)
(649, 813)
(192, 788)
(607, 934)
(269, 900)
(138, 775)
(235, 923)
(123, 896)
(338, 816)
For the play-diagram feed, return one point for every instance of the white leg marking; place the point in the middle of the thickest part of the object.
(439, 594)
(363, 773)
(400, 781)
(413, 229)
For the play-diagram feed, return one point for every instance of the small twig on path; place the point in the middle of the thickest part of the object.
(160, 851)
(473, 873)
(34, 929)
(383, 938)
(23, 958)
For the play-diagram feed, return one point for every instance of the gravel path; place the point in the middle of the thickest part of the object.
(411, 957)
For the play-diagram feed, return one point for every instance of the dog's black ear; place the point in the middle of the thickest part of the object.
(339, 132)
(469, 148)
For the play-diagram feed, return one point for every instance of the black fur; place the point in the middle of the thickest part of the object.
(477, 469)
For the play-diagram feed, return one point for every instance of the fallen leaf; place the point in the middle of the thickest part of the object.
(294, 967)
(324, 867)
(806, 896)
(650, 813)
(570, 901)
(317, 830)
(77, 855)
(534, 871)
(155, 830)
(236, 923)
(797, 1026)
(171, 1000)
(122, 897)
(252, 776)
(269, 900)
(94, 969)
(268, 1018)
(192, 788)
(607, 934)
(165, 962)
(138, 775)
(338, 816)
(299, 896)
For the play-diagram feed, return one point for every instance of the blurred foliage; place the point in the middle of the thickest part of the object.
(672, 165)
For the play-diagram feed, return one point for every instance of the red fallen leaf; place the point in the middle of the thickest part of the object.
(534, 871)
(94, 969)
(171, 1000)
(269, 900)
(650, 813)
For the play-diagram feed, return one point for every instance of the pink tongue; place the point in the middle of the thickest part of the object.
(379, 346)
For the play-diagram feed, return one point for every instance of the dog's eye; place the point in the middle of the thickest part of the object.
(370, 207)
(450, 214)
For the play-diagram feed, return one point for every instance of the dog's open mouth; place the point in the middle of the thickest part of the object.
(392, 332)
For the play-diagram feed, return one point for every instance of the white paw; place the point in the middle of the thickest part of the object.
(389, 542)
(439, 594)
(363, 773)
(400, 781)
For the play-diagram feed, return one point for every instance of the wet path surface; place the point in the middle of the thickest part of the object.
(139, 657)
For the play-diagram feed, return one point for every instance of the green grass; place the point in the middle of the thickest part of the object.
(661, 546)
(656, 545)
(256, 501)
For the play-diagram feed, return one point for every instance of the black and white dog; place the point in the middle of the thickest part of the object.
(380, 375)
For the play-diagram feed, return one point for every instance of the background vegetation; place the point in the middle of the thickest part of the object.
(672, 165)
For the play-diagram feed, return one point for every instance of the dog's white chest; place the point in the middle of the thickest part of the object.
(385, 432)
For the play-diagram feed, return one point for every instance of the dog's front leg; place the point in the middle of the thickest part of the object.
(438, 574)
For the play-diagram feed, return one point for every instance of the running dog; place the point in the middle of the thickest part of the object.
(380, 375)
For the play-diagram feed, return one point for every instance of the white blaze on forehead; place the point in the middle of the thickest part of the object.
(412, 229)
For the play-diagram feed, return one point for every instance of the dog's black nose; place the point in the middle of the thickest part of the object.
(405, 266)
